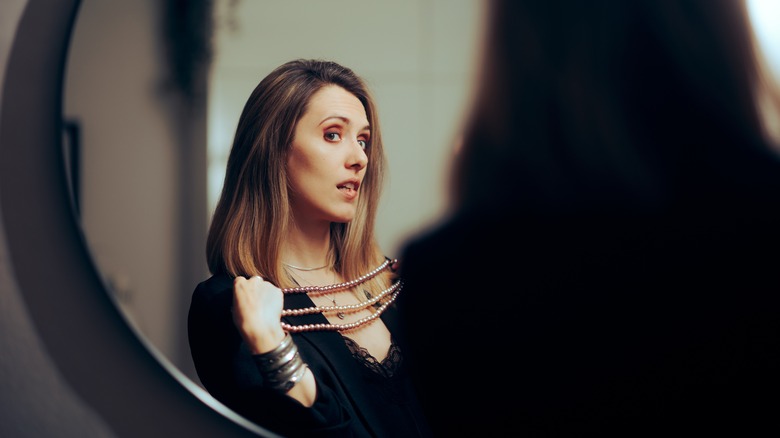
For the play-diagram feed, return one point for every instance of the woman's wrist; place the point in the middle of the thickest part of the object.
(282, 367)
(266, 341)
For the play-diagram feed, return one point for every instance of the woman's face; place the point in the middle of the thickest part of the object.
(328, 159)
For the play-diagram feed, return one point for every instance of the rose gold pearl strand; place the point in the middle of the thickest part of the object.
(337, 287)
(349, 307)
(340, 327)
(340, 286)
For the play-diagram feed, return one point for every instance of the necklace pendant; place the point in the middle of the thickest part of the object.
(340, 315)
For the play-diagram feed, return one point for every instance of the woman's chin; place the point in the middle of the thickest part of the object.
(343, 218)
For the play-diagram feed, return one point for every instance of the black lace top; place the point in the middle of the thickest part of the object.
(388, 380)
(357, 395)
(386, 367)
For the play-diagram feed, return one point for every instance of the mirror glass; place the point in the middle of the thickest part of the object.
(146, 157)
(147, 153)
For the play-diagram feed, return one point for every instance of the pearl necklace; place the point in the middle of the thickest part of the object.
(395, 288)
(340, 286)
(340, 327)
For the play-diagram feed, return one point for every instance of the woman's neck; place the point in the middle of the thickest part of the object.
(306, 248)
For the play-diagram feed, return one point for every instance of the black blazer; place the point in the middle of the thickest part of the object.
(350, 401)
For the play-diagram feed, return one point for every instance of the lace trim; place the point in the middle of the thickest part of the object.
(385, 368)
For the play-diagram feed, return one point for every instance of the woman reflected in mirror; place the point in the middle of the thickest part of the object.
(296, 327)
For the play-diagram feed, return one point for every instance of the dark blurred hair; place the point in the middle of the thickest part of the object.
(612, 104)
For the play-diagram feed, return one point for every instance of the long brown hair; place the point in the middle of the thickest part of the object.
(253, 215)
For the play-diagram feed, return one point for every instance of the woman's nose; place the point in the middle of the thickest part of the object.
(358, 158)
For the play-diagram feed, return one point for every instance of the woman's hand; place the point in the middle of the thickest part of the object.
(257, 313)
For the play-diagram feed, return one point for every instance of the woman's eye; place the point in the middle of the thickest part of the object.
(332, 136)
(363, 144)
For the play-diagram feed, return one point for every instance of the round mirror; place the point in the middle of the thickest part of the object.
(152, 95)
(86, 339)
(71, 346)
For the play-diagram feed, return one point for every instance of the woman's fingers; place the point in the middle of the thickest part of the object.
(257, 311)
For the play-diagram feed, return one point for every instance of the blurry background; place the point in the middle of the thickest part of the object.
(153, 91)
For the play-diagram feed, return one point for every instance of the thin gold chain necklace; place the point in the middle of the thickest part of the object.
(298, 268)
(339, 312)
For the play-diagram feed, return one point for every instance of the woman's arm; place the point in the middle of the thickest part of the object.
(257, 311)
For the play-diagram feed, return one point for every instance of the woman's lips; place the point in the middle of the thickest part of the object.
(349, 189)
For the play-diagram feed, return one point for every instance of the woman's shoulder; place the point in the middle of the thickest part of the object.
(216, 286)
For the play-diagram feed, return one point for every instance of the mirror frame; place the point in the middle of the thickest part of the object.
(135, 390)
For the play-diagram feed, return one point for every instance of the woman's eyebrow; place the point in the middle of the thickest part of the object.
(343, 119)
